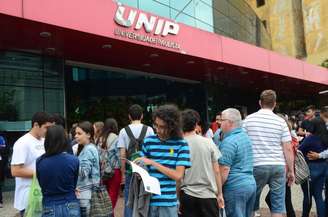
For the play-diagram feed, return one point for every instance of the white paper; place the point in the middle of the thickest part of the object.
(151, 184)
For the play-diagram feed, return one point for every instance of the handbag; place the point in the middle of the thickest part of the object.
(302, 171)
(34, 207)
(101, 205)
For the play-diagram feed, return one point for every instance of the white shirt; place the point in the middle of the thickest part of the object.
(199, 180)
(267, 132)
(26, 150)
(123, 138)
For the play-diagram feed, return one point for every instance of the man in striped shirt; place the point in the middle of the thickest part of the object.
(272, 150)
(167, 156)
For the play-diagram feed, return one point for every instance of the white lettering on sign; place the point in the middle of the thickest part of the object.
(147, 39)
(150, 23)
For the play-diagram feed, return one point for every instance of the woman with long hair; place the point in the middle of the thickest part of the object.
(57, 173)
(89, 171)
(315, 142)
(98, 128)
(109, 159)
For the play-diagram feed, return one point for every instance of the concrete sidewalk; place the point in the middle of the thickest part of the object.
(9, 211)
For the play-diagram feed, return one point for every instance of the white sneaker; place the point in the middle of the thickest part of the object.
(257, 214)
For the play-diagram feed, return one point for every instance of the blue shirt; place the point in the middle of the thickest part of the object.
(312, 143)
(237, 153)
(170, 153)
(57, 176)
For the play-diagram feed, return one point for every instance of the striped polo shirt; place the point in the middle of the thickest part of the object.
(170, 153)
(267, 132)
(236, 149)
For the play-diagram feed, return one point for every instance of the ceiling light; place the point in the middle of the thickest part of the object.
(146, 65)
(153, 55)
(183, 52)
(190, 62)
(220, 68)
(107, 46)
(243, 72)
(45, 34)
(50, 49)
(323, 92)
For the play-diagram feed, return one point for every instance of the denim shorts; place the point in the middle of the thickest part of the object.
(275, 177)
(70, 209)
(240, 201)
(163, 211)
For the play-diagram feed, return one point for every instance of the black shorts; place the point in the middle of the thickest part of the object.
(198, 207)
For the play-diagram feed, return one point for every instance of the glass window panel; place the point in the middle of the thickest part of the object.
(183, 6)
(235, 14)
(204, 26)
(204, 12)
(25, 80)
(222, 6)
(54, 101)
(155, 7)
(132, 3)
(186, 19)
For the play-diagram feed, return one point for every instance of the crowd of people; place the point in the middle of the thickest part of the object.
(202, 169)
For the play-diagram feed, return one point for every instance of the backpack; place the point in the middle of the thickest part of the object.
(109, 161)
(134, 145)
(302, 172)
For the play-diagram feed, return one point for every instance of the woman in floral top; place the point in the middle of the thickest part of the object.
(89, 171)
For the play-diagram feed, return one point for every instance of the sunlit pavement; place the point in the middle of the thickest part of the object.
(9, 211)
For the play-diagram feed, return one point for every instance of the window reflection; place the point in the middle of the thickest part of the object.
(28, 83)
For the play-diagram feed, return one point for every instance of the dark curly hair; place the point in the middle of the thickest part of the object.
(170, 114)
(190, 118)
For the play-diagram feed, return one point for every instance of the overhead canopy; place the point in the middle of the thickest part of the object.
(84, 31)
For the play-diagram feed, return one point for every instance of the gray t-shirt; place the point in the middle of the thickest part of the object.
(199, 180)
(123, 138)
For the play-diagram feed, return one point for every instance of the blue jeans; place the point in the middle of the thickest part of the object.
(318, 174)
(275, 177)
(70, 209)
(127, 210)
(22, 212)
(240, 202)
(163, 211)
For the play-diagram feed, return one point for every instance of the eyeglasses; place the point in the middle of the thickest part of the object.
(156, 126)
(223, 119)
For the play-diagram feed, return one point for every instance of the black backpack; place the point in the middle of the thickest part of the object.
(134, 145)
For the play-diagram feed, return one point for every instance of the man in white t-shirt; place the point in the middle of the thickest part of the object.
(138, 130)
(272, 152)
(26, 150)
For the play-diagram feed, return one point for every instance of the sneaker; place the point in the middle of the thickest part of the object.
(257, 214)
(1, 205)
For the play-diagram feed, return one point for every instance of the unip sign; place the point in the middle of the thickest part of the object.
(151, 24)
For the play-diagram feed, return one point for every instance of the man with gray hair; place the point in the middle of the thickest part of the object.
(272, 149)
(236, 166)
